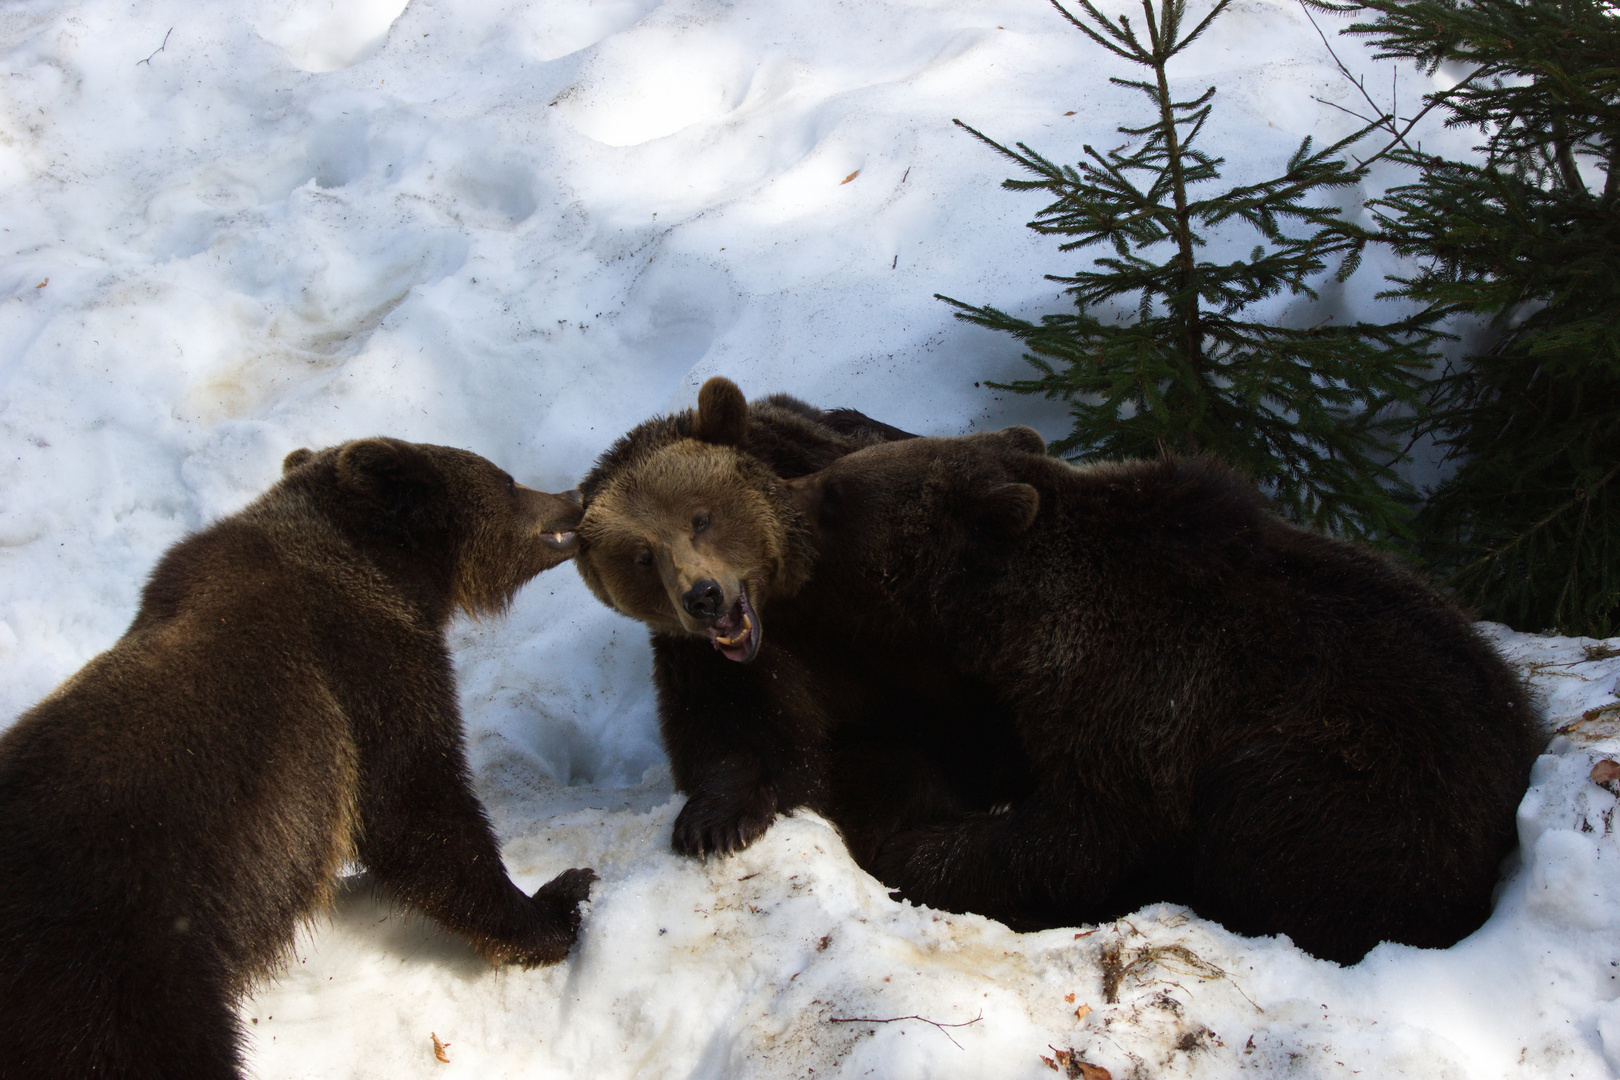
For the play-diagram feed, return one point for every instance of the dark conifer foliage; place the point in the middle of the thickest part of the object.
(1528, 235)
(1308, 412)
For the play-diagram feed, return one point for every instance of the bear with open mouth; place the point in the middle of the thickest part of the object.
(1052, 694)
(688, 528)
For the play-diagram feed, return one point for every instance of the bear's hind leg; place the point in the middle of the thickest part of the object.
(153, 1014)
(1290, 841)
(887, 777)
(1035, 866)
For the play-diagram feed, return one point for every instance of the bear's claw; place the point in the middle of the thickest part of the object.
(569, 887)
(719, 825)
(556, 904)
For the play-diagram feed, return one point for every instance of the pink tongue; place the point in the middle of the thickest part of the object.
(740, 631)
(732, 628)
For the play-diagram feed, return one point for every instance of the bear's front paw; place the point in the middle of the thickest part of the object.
(908, 863)
(567, 890)
(556, 904)
(718, 824)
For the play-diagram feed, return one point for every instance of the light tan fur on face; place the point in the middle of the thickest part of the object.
(641, 554)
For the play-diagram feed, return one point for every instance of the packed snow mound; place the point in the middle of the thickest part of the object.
(787, 958)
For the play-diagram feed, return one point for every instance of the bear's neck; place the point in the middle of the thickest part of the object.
(413, 569)
(798, 563)
(418, 568)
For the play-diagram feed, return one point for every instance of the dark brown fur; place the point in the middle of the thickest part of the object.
(1289, 733)
(283, 702)
(725, 461)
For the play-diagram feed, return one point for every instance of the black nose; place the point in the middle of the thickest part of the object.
(702, 601)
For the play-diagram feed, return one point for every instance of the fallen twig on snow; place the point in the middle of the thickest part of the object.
(897, 1019)
(160, 48)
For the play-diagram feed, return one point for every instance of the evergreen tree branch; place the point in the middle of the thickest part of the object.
(1381, 120)
(1384, 119)
(1581, 495)
(1564, 154)
(1191, 333)
(1309, 413)
(1132, 49)
(1431, 102)
(1611, 185)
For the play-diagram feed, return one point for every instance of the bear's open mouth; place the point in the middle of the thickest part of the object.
(736, 633)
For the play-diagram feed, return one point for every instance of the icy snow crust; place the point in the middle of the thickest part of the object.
(236, 229)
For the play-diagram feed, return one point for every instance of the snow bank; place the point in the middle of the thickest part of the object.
(759, 964)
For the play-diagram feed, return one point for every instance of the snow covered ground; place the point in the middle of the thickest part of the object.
(235, 229)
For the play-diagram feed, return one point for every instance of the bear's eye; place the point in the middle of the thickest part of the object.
(643, 557)
(511, 484)
(699, 523)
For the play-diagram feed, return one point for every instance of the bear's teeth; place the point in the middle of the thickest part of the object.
(740, 635)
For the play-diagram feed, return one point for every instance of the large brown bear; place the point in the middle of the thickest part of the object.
(1083, 690)
(283, 703)
(1286, 732)
(689, 529)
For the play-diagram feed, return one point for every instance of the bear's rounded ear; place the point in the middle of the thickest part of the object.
(295, 459)
(1022, 437)
(396, 476)
(1006, 510)
(722, 413)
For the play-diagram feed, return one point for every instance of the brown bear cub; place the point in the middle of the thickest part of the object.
(1286, 732)
(688, 528)
(283, 703)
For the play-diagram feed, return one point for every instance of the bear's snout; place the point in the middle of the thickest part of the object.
(703, 600)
